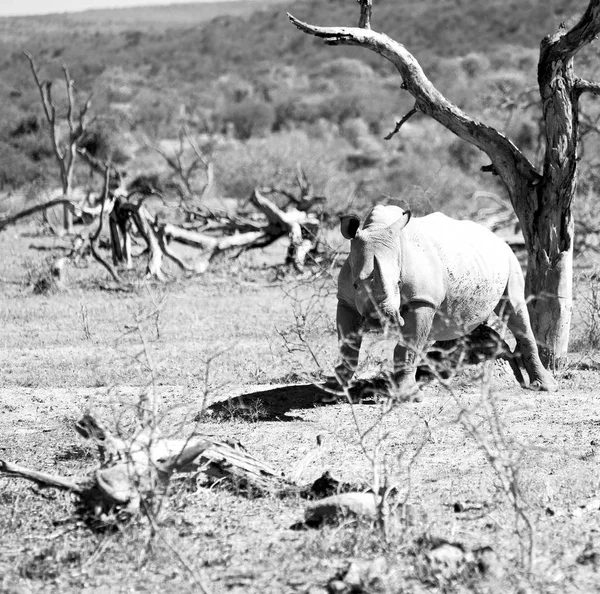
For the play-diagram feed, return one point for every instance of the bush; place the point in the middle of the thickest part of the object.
(475, 64)
(346, 68)
(250, 118)
(291, 111)
(355, 131)
(16, 169)
(464, 154)
(103, 141)
(26, 125)
(240, 167)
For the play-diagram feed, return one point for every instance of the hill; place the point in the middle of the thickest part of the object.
(161, 17)
(252, 73)
(239, 36)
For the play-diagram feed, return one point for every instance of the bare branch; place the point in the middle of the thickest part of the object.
(194, 145)
(366, 6)
(164, 246)
(41, 478)
(70, 99)
(399, 124)
(509, 160)
(586, 86)
(43, 88)
(565, 44)
(6, 221)
(155, 147)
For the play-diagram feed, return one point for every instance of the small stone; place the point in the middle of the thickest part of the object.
(337, 587)
(361, 505)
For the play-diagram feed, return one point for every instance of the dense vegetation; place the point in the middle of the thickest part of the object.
(264, 97)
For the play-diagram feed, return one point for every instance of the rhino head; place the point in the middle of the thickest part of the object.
(375, 262)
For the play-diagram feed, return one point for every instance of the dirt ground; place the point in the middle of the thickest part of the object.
(233, 354)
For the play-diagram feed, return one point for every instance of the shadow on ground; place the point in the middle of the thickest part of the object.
(275, 404)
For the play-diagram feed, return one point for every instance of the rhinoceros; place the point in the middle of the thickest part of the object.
(435, 279)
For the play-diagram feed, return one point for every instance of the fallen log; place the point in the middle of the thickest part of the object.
(138, 470)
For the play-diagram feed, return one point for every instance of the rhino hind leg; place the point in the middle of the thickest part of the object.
(482, 344)
(513, 309)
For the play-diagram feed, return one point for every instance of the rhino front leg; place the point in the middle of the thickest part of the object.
(415, 336)
(349, 340)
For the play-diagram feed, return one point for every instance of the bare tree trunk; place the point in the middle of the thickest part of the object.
(67, 218)
(548, 223)
(115, 240)
(550, 280)
(143, 221)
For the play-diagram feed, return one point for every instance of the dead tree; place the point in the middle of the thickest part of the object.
(300, 226)
(542, 199)
(186, 172)
(65, 149)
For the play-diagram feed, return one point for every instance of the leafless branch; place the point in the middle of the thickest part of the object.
(504, 154)
(586, 86)
(366, 7)
(401, 122)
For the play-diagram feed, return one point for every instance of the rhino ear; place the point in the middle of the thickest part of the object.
(398, 225)
(349, 225)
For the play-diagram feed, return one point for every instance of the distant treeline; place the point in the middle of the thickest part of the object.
(249, 77)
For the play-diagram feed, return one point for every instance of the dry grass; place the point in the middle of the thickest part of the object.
(62, 353)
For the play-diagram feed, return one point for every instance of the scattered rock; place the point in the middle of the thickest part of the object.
(362, 576)
(447, 559)
(336, 507)
(327, 485)
(475, 507)
(590, 555)
(442, 562)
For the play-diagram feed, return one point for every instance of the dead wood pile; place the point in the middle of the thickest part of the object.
(136, 472)
(129, 221)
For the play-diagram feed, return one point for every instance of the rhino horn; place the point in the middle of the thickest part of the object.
(379, 284)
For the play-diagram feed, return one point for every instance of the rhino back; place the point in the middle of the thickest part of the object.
(459, 267)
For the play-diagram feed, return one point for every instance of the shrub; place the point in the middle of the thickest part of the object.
(240, 167)
(26, 125)
(350, 68)
(16, 169)
(103, 141)
(475, 64)
(250, 118)
(464, 154)
(355, 131)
